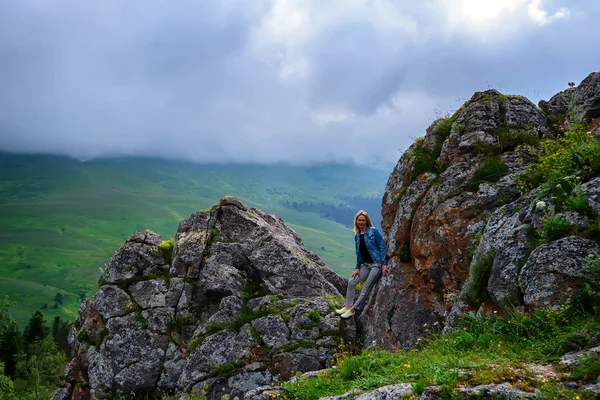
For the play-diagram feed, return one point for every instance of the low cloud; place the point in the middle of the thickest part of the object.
(294, 81)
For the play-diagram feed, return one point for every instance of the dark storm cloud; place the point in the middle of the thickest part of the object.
(269, 81)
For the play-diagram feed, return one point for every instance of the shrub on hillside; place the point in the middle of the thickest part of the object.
(563, 163)
(506, 140)
(490, 170)
(479, 276)
(425, 160)
(166, 249)
(442, 130)
(578, 201)
(556, 227)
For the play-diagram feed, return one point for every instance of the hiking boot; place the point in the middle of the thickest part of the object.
(348, 313)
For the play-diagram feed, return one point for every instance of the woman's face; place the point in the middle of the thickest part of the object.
(361, 221)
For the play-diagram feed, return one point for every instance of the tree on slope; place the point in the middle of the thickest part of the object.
(35, 330)
(40, 369)
(6, 386)
(10, 339)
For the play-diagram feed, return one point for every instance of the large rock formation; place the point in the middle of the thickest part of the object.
(446, 222)
(239, 304)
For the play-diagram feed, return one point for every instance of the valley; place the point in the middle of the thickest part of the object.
(61, 219)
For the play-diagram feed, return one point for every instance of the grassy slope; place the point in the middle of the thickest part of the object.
(516, 348)
(68, 218)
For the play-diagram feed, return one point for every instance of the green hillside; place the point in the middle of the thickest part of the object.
(62, 219)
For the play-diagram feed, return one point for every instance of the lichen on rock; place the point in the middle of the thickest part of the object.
(241, 304)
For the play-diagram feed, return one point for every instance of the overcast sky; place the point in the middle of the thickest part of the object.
(299, 81)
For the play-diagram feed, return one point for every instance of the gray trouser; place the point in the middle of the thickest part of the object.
(371, 275)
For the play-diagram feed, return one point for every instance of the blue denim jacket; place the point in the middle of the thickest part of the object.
(375, 245)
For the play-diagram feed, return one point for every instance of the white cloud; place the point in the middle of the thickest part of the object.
(269, 80)
(324, 117)
(486, 19)
(288, 31)
(543, 17)
(294, 69)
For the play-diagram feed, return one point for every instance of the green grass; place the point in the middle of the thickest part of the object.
(480, 351)
(61, 220)
(493, 348)
(27, 292)
(491, 170)
(480, 276)
(556, 227)
(578, 202)
(562, 164)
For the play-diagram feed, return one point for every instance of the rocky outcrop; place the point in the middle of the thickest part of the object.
(398, 391)
(585, 100)
(237, 303)
(461, 236)
(554, 268)
(498, 390)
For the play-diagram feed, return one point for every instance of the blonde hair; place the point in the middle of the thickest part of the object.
(358, 214)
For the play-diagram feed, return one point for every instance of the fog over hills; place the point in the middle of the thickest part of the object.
(271, 81)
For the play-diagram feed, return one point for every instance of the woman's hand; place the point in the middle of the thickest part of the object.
(355, 273)
(383, 269)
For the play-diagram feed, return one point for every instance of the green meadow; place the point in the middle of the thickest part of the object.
(62, 219)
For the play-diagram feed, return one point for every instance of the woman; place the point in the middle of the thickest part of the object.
(370, 263)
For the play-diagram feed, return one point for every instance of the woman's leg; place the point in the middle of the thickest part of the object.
(351, 291)
(374, 274)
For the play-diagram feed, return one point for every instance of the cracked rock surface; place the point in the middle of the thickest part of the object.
(459, 243)
(239, 304)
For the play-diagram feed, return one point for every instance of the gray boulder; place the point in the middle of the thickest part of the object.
(241, 304)
(217, 350)
(138, 257)
(494, 391)
(592, 191)
(553, 268)
(111, 301)
(587, 97)
(390, 392)
(573, 359)
(273, 330)
(585, 102)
